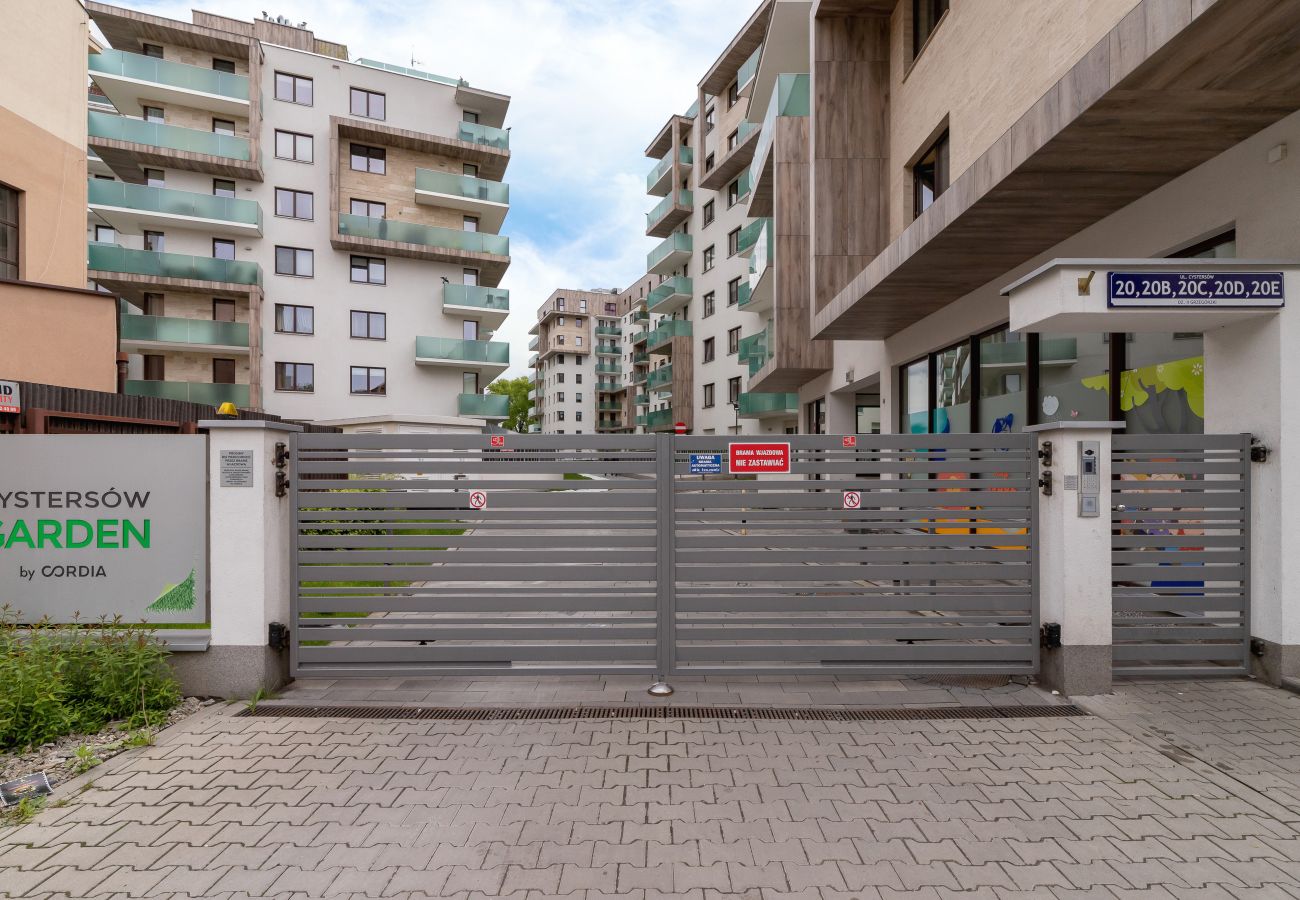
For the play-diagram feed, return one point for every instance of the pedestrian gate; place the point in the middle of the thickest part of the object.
(640, 554)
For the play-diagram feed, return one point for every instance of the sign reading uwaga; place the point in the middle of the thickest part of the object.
(758, 459)
(104, 525)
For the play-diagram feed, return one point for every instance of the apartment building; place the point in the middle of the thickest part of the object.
(577, 373)
(55, 330)
(295, 231)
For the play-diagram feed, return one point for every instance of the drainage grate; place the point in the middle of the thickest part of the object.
(493, 714)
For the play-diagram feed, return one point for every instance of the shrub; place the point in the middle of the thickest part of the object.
(72, 678)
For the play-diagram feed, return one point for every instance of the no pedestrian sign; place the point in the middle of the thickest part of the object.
(852, 499)
(478, 500)
(758, 459)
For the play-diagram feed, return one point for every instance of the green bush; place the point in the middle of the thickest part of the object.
(72, 679)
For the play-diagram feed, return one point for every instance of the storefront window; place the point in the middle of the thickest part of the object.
(952, 390)
(1074, 378)
(1003, 381)
(1162, 385)
(914, 406)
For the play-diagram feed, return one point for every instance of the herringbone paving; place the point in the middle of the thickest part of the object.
(1055, 808)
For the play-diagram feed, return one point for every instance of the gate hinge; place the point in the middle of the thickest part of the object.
(277, 636)
(281, 458)
(1045, 482)
(281, 483)
(1258, 451)
(1045, 453)
(1051, 635)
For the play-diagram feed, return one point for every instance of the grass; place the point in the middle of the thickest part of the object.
(574, 476)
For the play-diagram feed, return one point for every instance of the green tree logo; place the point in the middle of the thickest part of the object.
(175, 597)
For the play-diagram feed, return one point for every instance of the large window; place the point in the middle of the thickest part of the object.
(369, 326)
(369, 380)
(368, 159)
(369, 208)
(294, 261)
(930, 175)
(293, 204)
(9, 232)
(293, 88)
(291, 319)
(914, 404)
(952, 390)
(1003, 377)
(294, 146)
(925, 17)
(368, 270)
(367, 104)
(298, 377)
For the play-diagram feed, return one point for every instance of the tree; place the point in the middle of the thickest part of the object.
(520, 412)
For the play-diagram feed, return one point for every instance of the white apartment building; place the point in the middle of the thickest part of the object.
(296, 232)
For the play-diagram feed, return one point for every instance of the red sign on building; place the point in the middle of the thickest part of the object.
(757, 459)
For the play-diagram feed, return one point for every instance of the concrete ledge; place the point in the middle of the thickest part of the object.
(1077, 670)
(1278, 662)
(231, 672)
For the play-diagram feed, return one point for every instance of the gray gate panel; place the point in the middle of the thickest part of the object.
(1180, 558)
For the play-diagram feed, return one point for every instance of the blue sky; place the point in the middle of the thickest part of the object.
(590, 81)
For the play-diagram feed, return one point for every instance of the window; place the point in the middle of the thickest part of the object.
(925, 17)
(733, 390)
(155, 241)
(223, 65)
(930, 175)
(103, 234)
(223, 126)
(733, 292)
(469, 329)
(733, 242)
(708, 258)
(367, 104)
(368, 270)
(153, 114)
(708, 349)
(708, 396)
(290, 319)
(469, 382)
(294, 146)
(708, 163)
(293, 88)
(733, 340)
(577, 341)
(1221, 246)
(223, 249)
(152, 50)
(293, 204)
(708, 120)
(577, 396)
(577, 416)
(223, 310)
(560, 321)
(559, 340)
(153, 304)
(577, 379)
(559, 396)
(155, 367)
(469, 116)
(223, 371)
(155, 178)
(294, 261)
(559, 416)
(470, 277)
(708, 213)
(222, 187)
(9, 232)
(368, 208)
(733, 193)
(369, 326)
(469, 223)
(709, 300)
(559, 361)
(368, 159)
(732, 140)
(369, 380)
(470, 169)
(295, 377)
(733, 94)
(559, 376)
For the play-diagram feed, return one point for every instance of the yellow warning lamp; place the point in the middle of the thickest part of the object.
(227, 411)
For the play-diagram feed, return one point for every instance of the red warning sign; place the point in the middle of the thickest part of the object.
(478, 499)
(498, 440)
(757, 459)
(849, 441)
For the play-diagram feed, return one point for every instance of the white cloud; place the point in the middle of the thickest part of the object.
(590, 81)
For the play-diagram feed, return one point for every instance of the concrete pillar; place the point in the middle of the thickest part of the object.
(248, 562)
(1074, 563)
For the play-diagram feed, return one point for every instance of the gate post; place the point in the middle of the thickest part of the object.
(666, 543)
(249, 560)
(1074, 568)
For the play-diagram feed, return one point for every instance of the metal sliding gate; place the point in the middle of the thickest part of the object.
(1181, 554)
(436, 554)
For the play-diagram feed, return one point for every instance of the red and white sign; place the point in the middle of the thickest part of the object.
(853, 499)
(478, 499)
(10, 398)
(498, 440)
(849, 441)
(758, 459)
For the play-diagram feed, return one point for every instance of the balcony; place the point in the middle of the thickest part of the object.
(641, 400)
(126, 144)
(667, 330)
(394, 237)
(192, 391)
(607, 406)
(640, 358)
(532, 361)
(605, 368)
(749, 235)
(131, 80)
(735, 161)
(609, 387)
(489, 200)
(790, 97)
(131, 208)
(534, 342)
(609, 331)
(761, 281)
(110, 258)
(752, 350)
(660, 379)
(660, 181)
(660, 420)
(641, 420)
(745, 74)
(672, 294)
(483, 406)
(673, 253)
(474, 133)
(670, 212)
(489, 305)
(603, 349)
(486, 356)
(168, 332)
(640, 376)
(756, 405)
(640, 316)
(638, 337)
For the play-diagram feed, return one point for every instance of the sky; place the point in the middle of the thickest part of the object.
(590, 81)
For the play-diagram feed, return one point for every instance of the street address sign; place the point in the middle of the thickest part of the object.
(1192, 289)
(758, 458)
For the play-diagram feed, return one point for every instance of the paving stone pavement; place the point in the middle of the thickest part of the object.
(701, 809)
